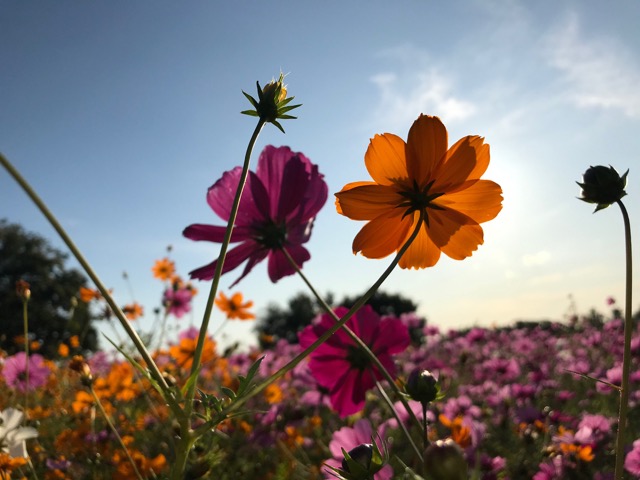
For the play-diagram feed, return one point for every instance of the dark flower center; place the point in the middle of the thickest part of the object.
(418, 199)
(357, 358)
(271, 235)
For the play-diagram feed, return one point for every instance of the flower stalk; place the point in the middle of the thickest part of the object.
(626, 355)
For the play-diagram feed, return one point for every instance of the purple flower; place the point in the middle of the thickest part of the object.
(349, 438)
(15, 371)
(340, 366)
(177, 301)
(277, 210)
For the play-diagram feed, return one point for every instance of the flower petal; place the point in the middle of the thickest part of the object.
(385, 159)
(426, 146)
(422, 253)
(221, 194)
(279, 266)
(457, 235)
(366, 202)
(213, 233)
(383, 235)
(468, 159)
(481, 200)
(234, 257)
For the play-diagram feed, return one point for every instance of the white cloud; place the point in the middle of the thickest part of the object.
(412, 89)
(597, 71)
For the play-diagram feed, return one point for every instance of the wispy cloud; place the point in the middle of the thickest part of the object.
(535, 259)
(596, 71)
(411, 89)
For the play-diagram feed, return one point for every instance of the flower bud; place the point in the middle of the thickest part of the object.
(422, 386)
(362, 455)
(444, 460)
(603, 186)
(361, 462)
(23, 290)
(272, 103)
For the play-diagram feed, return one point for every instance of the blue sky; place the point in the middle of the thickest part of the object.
(121, 115)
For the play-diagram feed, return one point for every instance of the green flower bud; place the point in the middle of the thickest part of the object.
(272, 103)
(444, 460)
(361, 462)
(422, 386)
(361, 456)
(603, 186)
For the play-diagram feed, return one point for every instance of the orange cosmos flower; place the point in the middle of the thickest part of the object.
(418, 177)
(88, 294)
(133, 311)
(233, 307)
(163, 269)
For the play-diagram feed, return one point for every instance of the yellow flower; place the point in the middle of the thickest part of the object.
(422, 177)
(234, 307)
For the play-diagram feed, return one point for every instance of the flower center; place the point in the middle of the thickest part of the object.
(271, 235)
(418, 199)
(357, 358)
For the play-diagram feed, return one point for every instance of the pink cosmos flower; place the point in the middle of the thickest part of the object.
(277, 210)
(632, 460)
(341, 367)
(349, 438)
(177, 301)
(15, 371)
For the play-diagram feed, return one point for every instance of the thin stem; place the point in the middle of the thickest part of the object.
(326, 335)
(197, 356)
(626, 355)
(155, 372)
(361, 345)
(25, 323)
(425, 435)
(115, 432)
(397, 417)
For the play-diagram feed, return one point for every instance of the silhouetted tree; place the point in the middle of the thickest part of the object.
(384, 303)
(54, 314)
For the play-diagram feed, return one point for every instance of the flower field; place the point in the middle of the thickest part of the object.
(513, 399)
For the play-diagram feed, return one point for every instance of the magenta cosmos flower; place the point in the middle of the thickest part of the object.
(15, 372)
(341, 367)
(177, 301)
(277, 210)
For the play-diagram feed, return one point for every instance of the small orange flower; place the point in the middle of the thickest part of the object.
(63, 350)
(163, 269)
(8, 464)
(460, 433)
(74, 341)
(184, 351)
(133, 311)
(422, 177)
(273, 394)
(234, 308)
(88, 294)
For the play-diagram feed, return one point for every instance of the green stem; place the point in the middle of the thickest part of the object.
(115, 432)
(626, 355)
(326, 335)
(155, 372)
(402, 426)
(25, 323)
(197, 356)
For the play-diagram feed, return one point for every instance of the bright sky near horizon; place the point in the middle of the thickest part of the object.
(121, 114)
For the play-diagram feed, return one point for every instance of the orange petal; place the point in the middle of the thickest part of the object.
(481, 200)
(385, 159)
(383, 235)
(468, 159)
(426, 147)
(422, 252)
(366, 202)
(456, 234)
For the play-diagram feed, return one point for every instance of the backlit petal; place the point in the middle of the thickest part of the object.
(422, 252)
(468, 159)
(385, 159)
(383, 235)
(481, 200)
(279, 266)
(426, 146)
(366, 202)
(214, 233)
(221, 194)
(455, 233)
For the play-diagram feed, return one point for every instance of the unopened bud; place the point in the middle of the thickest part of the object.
(603, 186)
(422, 386)
(444, 460)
